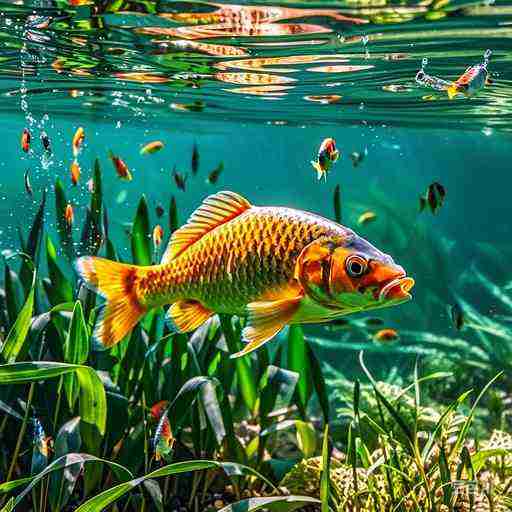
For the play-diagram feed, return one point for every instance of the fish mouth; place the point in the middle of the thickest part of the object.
(396, 289)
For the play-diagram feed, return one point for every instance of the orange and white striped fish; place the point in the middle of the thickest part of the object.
(273, 265)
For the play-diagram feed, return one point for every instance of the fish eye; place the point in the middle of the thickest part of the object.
(356, 265)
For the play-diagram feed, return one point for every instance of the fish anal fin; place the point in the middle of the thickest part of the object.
(216, 210)
(265, 320)
(188, 315)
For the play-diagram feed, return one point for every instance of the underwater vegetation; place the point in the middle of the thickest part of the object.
(168, 421)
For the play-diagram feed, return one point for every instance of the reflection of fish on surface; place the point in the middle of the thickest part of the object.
(242, 20)
(274, 265)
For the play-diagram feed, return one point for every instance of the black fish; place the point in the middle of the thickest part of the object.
(457, 316)
(433, 197)
(195, 159)
(214, 175)
(159, 210)
(179, 179)
(46, 142)
(356, 158)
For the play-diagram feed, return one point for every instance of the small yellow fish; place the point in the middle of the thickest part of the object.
(327, 155)
(366, 217)
(152, 147)
(158, 234)
(69, 215)
(273, 265)
(75, 172)
(78, 140)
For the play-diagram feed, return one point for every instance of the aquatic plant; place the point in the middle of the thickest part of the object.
(226, 416)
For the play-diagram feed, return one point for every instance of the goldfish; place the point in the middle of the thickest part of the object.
(163, 442)
(366, 217)
(78, 140)
(75, 172)
(121, 168)
(327, 155)
(179, 179)
(152, 147)
(45, 141)
(28, 186)
(213, 177)
(158, 409)
(457, 316)
(25, 140)
(386, 335)
(195, 159)
(472, 80)
(158, 234)
(69, 215)
(273, 265)
(433, 197)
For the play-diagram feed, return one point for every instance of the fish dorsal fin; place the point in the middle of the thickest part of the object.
(216, 210)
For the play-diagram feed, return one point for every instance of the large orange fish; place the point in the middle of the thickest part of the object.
(273, 265)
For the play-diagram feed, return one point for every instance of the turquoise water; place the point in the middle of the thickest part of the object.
(258, 87)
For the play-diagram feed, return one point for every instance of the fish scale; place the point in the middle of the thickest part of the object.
(262, 246)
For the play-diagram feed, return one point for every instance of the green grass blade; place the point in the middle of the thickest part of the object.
(299, 362)
(109, 496)
(325, 479)
(141, 235)
(93, 403)
(76, 350)
(337, 204)
(14, 344)
(67, 461)
(317, 376)
(272, 504)
(60, 289)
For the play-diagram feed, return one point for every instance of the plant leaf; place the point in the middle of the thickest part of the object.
(141, 235)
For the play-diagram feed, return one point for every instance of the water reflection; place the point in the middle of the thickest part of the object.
(135, 56)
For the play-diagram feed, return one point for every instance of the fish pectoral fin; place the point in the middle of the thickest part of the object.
(265, 320)
(188, 315)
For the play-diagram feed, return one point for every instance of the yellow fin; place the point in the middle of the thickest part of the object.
(216, 210)
(452, 91)
(265, 320)
(319, 171)
(188, 315)
(117, 283)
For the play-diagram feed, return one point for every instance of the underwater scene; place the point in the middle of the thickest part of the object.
(256, 256)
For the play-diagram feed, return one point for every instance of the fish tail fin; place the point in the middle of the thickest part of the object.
(319, 171)
(117, 283)
(452, 91)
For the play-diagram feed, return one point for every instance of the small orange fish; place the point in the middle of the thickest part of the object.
(158, 409)
(78, 140)
(25, 140)
(42, 442)
(158, 234)
(121, 168)
(69, 215)
(75, 172)
(366, 218)
(273, 265)
(386, 335)
(327, 155)
(152, 147)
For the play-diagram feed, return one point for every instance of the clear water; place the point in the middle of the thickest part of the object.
(258, 87)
